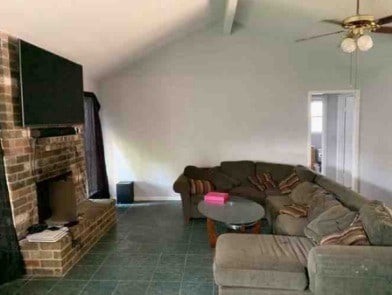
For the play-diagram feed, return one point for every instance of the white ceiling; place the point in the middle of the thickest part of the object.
(103, 35)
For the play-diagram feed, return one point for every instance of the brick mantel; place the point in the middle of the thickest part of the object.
(29, 160)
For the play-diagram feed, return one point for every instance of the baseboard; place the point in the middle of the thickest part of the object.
(157, 198)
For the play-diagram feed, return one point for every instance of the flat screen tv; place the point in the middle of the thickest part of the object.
(51, 88)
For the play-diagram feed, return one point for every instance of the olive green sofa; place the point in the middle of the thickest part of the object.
(286, 261)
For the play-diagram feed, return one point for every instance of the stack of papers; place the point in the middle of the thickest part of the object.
(49, 236)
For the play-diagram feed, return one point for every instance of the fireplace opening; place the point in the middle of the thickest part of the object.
(56, 200)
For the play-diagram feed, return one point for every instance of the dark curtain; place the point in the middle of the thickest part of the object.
(11, 261)
(93, 143)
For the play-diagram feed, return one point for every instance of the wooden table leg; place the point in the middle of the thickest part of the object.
(257, 227)
(212, 236)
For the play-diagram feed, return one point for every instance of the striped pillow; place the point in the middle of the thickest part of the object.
(267, 180)
(289, 183)
(295, 210)
(353, 235)
(199, 187)
(256, 181)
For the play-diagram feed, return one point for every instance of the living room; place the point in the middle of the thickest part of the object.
(177, 87)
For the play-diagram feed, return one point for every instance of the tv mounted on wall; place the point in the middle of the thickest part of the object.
(51, 88)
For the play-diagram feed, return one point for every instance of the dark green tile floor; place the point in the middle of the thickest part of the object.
(149, 251)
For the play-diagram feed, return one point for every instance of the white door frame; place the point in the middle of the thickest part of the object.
(355, 166)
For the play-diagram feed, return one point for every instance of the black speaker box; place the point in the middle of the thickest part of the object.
(125, 193)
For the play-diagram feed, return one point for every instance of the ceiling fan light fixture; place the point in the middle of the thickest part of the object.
(365, 42)
(348, 45)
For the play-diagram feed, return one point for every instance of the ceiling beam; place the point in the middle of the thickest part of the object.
(231, 7)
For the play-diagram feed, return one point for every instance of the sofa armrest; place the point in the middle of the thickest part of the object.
(181, 185)
(349, 270)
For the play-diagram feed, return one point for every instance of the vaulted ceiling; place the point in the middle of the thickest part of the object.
(101, 35)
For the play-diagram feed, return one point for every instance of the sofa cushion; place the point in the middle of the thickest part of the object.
(222, 181)
(239, 170)
(289, 225)
(197, 173)
(273, 204)
(321, 202)
(377, 221)
(335, 219)
(249, 192)
(304, 173)
(278, 171)
(261, 261)
(303, 193)
(348, 197)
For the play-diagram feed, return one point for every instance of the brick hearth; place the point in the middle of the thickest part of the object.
(28, 160)
(55, 259)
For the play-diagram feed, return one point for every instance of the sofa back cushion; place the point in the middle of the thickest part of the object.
(321, 202)
(240, 170)
(278, 171)
(377, 221)
(346, 196)
(197, 173)
(303, 193)
(335, 219)
(220, 180)
(304, 173)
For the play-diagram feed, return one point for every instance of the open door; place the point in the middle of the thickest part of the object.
(333, 135)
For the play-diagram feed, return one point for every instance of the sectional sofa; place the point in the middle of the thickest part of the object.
(290, 259)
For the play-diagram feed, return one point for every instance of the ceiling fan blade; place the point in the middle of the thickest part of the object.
(385, 20)
(319, 36)
(333, 21)
(384, 30)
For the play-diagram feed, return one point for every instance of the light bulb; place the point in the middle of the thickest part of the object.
(364, 43)
(348, 45)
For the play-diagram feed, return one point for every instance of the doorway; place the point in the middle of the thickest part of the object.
(334, 135)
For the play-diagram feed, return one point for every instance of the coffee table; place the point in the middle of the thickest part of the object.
(238, 214)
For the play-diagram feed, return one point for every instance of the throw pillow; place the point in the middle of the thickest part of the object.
(321, 201)
(303, 193)
(256, 181)
(295, 210)
(199, 187)
(267, 180)
(377, 222)
(353, 235)
(335, 219)
(289, 183)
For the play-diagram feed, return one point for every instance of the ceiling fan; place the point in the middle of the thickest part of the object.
(357, 29)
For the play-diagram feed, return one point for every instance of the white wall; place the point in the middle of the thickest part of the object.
(376, 139)
(208, 98)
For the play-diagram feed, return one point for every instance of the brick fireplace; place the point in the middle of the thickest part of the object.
(31, 160)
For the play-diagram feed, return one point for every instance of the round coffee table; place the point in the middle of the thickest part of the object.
(237, 213)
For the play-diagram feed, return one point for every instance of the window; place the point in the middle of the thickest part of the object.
(316, 111)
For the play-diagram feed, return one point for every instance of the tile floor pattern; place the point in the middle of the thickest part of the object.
(149, 251)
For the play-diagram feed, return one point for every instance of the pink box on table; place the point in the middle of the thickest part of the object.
(216, 198)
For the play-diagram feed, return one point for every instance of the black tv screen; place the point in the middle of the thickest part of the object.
(51, 88)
